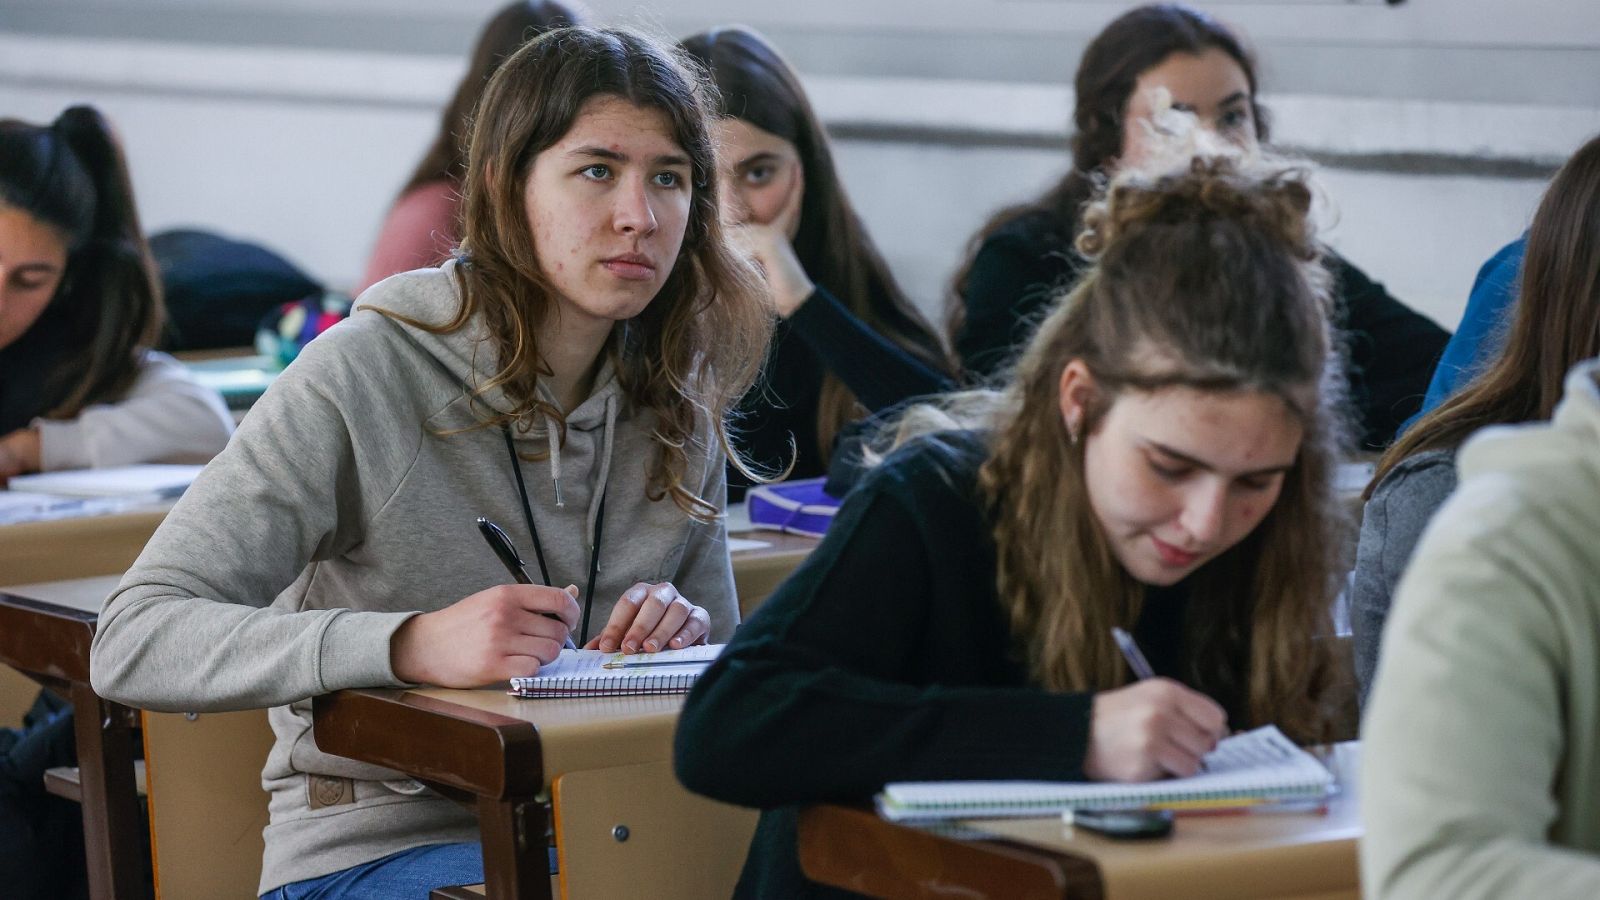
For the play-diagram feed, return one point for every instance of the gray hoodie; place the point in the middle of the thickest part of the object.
(341, 508)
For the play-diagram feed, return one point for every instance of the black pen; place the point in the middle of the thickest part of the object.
(500, 543)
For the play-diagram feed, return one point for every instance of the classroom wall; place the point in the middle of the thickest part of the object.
(283, 121)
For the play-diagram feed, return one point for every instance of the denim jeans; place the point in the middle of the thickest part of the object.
(407, 874)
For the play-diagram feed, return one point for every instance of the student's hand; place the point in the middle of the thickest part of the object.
(769, 247)
(19, 453)
(652, 617)
(491, 636)
(1150, 730)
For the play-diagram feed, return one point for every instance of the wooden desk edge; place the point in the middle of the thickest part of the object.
(933, 862)
(381, 727)
(63, 653)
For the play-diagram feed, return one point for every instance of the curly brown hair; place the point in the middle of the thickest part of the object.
(1216, 269)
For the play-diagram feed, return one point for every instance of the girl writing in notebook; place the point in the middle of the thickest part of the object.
(849, 341)
(80, 310)
(1161, 463)
(566, 376)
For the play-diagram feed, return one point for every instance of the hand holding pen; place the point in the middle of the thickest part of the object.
(500, 542)
(1151, 729)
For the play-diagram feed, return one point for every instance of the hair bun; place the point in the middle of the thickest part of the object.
(1270, 195)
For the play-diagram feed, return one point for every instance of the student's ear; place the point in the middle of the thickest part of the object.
(1077, 393)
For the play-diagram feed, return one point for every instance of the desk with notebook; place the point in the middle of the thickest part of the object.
(45, 631)
(1284, 854)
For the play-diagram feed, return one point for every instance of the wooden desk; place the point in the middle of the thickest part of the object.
(45, 630)
(1305, 856)
(34, 552)
(501, 752)
(758, 572)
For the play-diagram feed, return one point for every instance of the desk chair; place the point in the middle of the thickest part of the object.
(634, 831)
(207, 808)
(16, 695)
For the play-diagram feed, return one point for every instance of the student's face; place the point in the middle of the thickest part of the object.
(1176, 476)
(1210, 85)
(760, 174)
(608, 205)
(32, 258)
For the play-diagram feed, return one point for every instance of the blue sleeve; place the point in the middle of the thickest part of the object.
(1477, 338)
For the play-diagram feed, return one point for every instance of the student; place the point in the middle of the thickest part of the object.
(1161, 463)
(423, 227)
(567, 377)
(1481, 752)
(849, 342)
(1483, 325)
(1556, 326)
(1025, 252)
(80, 308)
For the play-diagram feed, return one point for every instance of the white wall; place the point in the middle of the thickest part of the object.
(302, 146)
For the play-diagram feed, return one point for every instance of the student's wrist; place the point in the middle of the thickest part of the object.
(19, 452)
(408, 655)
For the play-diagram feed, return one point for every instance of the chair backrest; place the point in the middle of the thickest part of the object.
(627, 826)
(207, 808)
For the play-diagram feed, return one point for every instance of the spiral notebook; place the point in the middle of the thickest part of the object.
(1260, 766)
(591, 673)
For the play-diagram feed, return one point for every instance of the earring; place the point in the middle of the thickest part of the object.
(1074, 425)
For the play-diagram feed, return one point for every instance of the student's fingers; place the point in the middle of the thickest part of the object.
(672, 619)
(609, 639)
(696, 629)
(1177, 760)
(656, 602)
(541, 647)
(1205, 713)
(537, 598)
(1193, 739)
(789, 215)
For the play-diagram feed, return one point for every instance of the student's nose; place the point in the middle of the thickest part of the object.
(1205, 513)
(634, 213)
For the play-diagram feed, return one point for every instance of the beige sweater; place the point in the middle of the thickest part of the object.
(1481, 773)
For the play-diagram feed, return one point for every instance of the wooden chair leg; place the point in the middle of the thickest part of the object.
(516, 861)
(113, 840)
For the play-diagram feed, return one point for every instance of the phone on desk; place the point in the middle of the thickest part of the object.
(1125, 824)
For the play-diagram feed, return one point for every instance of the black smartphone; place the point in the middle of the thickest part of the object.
(1127, 824)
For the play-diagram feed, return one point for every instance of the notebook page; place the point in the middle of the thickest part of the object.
(595, 672)
(1259, 764)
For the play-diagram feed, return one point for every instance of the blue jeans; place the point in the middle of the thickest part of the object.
(407, 874)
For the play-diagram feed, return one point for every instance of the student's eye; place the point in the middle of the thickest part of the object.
(1233, 120)
(1256, 485)
(669, 179)
(1168, 473)
(596, 172)
(760, 175)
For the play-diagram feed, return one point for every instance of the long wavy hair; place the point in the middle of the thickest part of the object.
(695, 350)
(514, 25)
(71, 176)
(1556, 324)
(1206, 279)
(1132, 44)
(758, 86)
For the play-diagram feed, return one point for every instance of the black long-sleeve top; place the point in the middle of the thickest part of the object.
(819, 337)
(1023, 265)
(887, 657)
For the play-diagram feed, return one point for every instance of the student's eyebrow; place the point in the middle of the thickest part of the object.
(1235, 97)
(1201, 464)
(762, 156)
(31, 267)
(666, 159)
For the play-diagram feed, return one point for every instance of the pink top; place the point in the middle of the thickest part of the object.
(420, 231)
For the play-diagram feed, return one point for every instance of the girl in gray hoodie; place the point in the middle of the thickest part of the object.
(566, 375)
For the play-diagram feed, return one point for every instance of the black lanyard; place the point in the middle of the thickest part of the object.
(538, 546)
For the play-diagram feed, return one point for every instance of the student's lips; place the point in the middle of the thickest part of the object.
(631, 267)
(1171, 555)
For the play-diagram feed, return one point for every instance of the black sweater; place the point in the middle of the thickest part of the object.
(821, 336)
(886, 657)
(1027, 261)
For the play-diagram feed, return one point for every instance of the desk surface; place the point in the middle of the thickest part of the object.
(1232, 856)
(82, 594)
